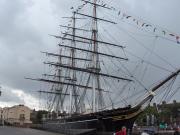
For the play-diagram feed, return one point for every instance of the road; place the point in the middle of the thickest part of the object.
(22, 131)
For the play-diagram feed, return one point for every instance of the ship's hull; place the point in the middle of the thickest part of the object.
(106, 121)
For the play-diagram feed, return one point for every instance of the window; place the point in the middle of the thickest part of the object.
(22, 116)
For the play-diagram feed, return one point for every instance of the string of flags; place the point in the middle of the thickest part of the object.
(138, 22)
(142, 24)
(79, 7)
(77, 10)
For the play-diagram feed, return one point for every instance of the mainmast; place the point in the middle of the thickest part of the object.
(95, 57)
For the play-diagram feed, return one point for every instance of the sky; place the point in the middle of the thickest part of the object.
(24, 29)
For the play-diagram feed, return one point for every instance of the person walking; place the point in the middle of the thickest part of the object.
(122, 132)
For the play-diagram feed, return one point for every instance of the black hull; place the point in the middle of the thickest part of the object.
(106, 121)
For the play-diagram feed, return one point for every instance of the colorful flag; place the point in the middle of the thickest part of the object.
(137, 22)
(119, 12)
(164, 32)
(177, 39)
(143, 24)
(172, 35)
(154, 29)
(128, 17)
(148, 25)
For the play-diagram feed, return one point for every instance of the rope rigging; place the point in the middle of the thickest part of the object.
(140, 43)
(138, 73)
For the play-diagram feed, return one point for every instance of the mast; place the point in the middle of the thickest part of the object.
(73, 64)
(60, 86)
(95, 55)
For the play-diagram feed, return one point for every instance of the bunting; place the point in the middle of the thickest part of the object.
(119, 12)
(104, 5)
(148, 25)
(178, 39)
(80, 7)
(127, 17)
(154, 30)
(172, 35)
(164, 32)
(143, 24)
(140, 23)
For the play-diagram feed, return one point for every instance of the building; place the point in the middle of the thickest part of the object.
(18, 115)
(1, 113)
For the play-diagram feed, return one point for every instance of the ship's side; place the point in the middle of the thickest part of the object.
(106, 121)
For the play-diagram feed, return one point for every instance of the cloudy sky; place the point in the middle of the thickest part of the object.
(24, 29)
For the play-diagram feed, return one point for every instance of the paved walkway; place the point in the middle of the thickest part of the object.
(22, 131)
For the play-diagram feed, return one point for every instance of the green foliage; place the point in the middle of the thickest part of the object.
(166, 113)
(150, 110)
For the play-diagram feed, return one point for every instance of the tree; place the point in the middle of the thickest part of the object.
(149, 111)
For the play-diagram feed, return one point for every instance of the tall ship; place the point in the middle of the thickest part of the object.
(89, 83)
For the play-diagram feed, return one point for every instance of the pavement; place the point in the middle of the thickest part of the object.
(23, 131)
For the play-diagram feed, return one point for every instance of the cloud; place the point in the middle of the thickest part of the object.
(23, 35)
(20, 43)
(25, 26)
(11, 96)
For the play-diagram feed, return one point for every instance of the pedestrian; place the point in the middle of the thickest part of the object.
(122, 131)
